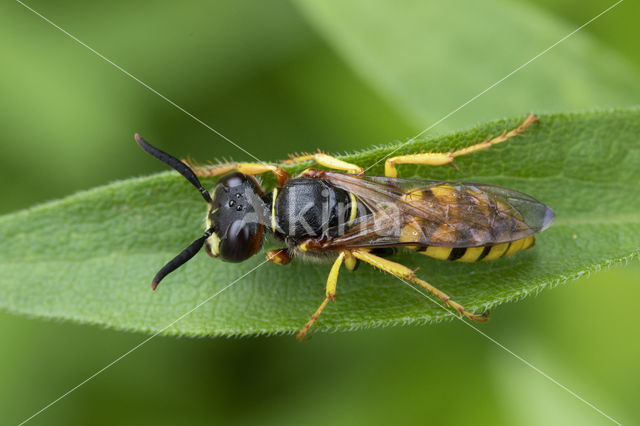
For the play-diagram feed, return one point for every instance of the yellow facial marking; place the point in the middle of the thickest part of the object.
(214, 244)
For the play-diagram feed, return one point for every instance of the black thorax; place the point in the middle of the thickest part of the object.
(308, 208)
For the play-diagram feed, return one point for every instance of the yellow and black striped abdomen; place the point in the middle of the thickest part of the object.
(475, 254)
(464, 223)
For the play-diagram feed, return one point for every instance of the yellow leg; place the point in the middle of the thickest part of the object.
(350, 262)
(247, 168)
(332, 283)
(402, 271)
(439, 158)
(327, 161)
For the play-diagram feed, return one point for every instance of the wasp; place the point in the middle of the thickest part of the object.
(341, 215)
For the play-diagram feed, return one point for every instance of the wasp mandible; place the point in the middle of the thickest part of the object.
(346, 216)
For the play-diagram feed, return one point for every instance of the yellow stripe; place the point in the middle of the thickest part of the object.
(410, 233)
(414, 194)
(445, 234)
(441, 253)
(273, 208)
(471, 255)
(529, 242)
(443, 191)
(514, 247)
(496, 251)
(354, 208)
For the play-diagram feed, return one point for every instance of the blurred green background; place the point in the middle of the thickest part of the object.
(268, 76)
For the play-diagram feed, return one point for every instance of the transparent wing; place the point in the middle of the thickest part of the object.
(417, 212)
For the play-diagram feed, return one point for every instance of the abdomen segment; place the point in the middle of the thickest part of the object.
(476, 254)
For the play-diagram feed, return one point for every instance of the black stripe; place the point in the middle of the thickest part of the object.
(484, 253)
(384, 251)
(506, 250)
(457, 253)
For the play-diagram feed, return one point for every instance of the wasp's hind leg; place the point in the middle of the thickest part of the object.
(327, 161)
(402, 271)
(247, 168)
(440, 159)
(330, 294)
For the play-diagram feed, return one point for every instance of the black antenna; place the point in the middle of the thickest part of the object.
(176, 164)
(181, 259)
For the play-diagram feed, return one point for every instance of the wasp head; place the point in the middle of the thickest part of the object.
(236, 218)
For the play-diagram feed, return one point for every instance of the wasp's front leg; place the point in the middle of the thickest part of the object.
(330, 294)
(247, 168)
(327, 161)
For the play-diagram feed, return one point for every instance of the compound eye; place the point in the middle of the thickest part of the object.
(239, 242)
(233, 180)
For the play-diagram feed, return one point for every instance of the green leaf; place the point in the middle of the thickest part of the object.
(90, 257)
(431, 57)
